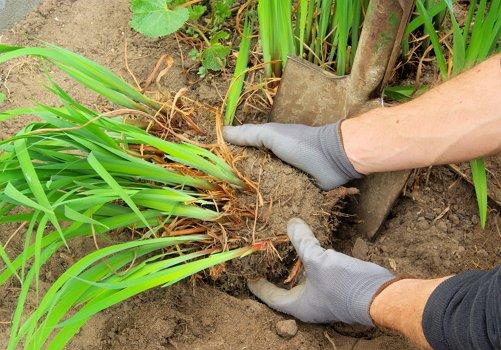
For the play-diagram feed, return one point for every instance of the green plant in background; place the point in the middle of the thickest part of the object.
(214, 54)
(471, 44)
(160, 18)
(433, 9)
(81, 172)
(221, 11)
(325, 32)
(403, 92)
(276, 34)
(238, 79)
(156, 18)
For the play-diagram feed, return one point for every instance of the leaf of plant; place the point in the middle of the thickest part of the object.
(11, 192)
(2, 98)
(219, 36)
(5, 258)
(213, 57)
(428, 24)
(154, 18)
(237, 82)
(197, 11)
(97, 166)
(222, 10)
(479, 176)
(76, 216)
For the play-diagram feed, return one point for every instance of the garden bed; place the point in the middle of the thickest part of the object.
(433, 229)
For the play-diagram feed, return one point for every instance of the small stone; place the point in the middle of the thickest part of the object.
(286, 328)
(454, 219)
(441, 225)
(461, 249)
(475, 220)
(360, 249)
(423, 224)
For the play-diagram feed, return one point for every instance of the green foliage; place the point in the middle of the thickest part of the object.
(430, 30)
(221, 11)
(403, 93)
(2, 98)
(276, 34)
(163, 17)
(155, 18)
(433, 10)
(213, 56)
(80, 171)
(325, 32)
(197, 11)
(237, 82)
(107, 277)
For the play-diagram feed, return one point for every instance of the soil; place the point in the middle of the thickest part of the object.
(432, 230)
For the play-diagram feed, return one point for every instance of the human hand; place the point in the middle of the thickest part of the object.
(317, 151)
(337, 287)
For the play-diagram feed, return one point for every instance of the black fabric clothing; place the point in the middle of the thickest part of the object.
(464, 312)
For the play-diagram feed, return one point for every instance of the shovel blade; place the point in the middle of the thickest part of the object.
(309, 95)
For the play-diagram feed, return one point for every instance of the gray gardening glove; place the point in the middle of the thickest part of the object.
(337, 287)
(317, 151)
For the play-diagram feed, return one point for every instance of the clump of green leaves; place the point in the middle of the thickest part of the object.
(325, 32)
(221, 11)
(213, 55)
(79, 173)
(159, 18)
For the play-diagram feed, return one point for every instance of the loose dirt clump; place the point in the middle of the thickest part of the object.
(283, 193)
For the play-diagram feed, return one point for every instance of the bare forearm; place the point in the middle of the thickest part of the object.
(456, 121)
(400, 307)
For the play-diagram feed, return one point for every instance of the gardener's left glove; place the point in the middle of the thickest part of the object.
(337, 287)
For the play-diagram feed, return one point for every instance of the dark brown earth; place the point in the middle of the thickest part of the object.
(432, 230)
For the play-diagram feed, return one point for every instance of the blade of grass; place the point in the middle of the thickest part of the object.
(264, 11)
(469, 16)
(458, 46)
(480, 181)
(96, 165)
(430, 30)
(476, 35)
(342, 7)
(301, 25)
(34, 183)
(237, 82)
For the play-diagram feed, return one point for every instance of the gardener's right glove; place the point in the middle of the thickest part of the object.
(337, 288)
(317, 151)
